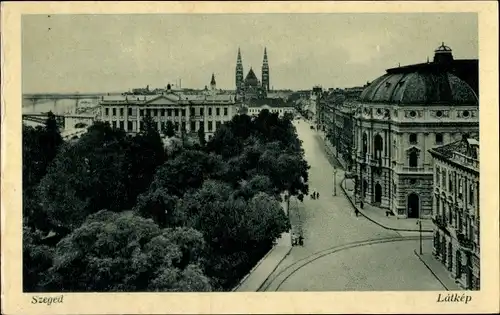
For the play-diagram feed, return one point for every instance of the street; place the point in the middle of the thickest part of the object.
(343, 252)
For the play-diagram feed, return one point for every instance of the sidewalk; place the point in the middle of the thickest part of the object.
(375, 214)
(266, 266)
(392, 222)
(439, 271)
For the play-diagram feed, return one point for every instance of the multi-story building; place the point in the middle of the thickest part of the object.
(273, 105)
(399, 117)
(456, 210)
(188, 113)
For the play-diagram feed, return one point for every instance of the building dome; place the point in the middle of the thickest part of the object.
(419, 86)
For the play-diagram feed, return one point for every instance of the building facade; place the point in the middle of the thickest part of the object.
(456, 212)
(188, 113)
(398, 118)
(250, 87)
(273, 105)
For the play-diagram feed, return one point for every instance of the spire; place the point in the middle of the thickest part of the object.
(265, 53)
(238, 61)
(212, 82)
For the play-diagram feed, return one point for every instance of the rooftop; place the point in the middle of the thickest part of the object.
(463, 152)
(271, 102)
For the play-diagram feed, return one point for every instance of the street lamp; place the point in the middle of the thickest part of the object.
(334, 181)
(419, 222)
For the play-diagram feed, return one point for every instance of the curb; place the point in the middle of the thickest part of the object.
(427, 266)
(257, 265)
(379, 224)
(274, 269)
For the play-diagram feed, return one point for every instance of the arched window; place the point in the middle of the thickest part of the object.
(413, 138)
(413, 159)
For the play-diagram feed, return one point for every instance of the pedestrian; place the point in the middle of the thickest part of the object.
(301, 240)
(356, 211)
(317, 195)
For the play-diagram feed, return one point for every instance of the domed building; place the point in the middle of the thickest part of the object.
(250, 87)
(399, 117)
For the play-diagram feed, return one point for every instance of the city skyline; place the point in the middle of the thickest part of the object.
(111, 53)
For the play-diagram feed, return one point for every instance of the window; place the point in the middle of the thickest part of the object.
(177, 126)
(141, 112)
(106, 110)
(163, 112)
(122, 124)
(471, 195)
(460, 188)
(130, 111)
(129, 125)
(437, 176)
(193, 126)
(465, 113)
(210, 126)
(443, 179)
(183, 112)
(210, 111)
(202, 112)
(225, 111)
(192, 111)
(413, 159)
(141, 126)
(450, 183)
(217, 125)
(183, 126)
(114, 124)
(413, 138)
(413, 113)
(114, 111)
(121, 111)
(155, 112)
(169, 112)
(439, 138)
(217, 111)
(439, 113)
(148, 112)
(176, 112)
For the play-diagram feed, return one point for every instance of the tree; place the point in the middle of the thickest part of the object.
(149, 125)
(40, 146)
(85, 177)
(121, 252)
(186, 171)
(233, 228)
(201, 136)
(169, 129)
(37, 259)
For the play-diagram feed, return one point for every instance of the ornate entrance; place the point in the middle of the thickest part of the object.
(413, 207)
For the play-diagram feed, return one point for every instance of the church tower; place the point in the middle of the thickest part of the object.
(265, 72)
(213, 84)
(239, 73)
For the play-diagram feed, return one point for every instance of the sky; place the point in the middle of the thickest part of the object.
(111, 53)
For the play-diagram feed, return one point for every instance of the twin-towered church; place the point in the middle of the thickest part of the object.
(250, 87)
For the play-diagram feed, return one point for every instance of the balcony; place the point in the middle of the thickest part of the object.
(411, 169)
(440, 223)
(465, 243)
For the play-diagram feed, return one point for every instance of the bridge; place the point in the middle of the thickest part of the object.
(35, 99)
(66, 122)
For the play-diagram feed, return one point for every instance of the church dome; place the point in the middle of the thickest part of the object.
(419, 86)
(251, 78)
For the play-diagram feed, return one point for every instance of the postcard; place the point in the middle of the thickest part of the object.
(249, 157)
